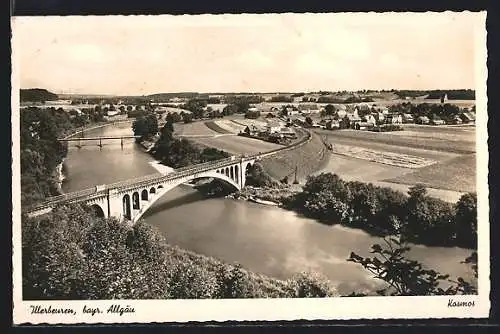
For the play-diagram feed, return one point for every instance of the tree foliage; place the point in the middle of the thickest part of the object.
(405, 277)
(41, 152)
(417, 217)
(145, 126)
(177, 153)
(257, 176)
(70, 254)
(37, 95)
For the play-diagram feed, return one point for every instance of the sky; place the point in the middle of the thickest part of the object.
(140, 55)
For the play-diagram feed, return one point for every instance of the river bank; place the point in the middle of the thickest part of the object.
(59, 177)
(265, 195)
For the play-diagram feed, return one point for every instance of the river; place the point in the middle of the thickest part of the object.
(264, 239)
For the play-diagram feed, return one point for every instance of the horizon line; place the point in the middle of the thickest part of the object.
(254, 92)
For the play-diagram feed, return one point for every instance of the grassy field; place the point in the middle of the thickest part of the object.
(193, 129)
(357, 138)
(452, 148)
(353, 169)
(238, 144)
(213, 126)
(458, 174)
(229, 126)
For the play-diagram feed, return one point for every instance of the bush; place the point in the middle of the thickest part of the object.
(258, 177)
(311, 285)
(252, 114)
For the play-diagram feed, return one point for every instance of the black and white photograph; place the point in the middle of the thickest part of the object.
(249, 167)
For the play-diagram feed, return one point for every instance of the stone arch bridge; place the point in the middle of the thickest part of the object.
(130, 199)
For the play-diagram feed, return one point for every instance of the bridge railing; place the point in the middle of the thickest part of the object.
(179, 172)
(63, 198)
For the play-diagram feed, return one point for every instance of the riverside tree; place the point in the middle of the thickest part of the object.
(381, 211)
(145, 126)
(405, 277)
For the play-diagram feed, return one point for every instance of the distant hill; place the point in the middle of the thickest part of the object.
(37, 95)
(453, 94)
(167, 96)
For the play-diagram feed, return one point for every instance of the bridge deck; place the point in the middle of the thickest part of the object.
(98, 138)
(157, 177)
(144, 180)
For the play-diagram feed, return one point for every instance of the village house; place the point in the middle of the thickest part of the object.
(73, 112)
(308, 108)
(115, 118)
(291, 111)
(436, 120)
(456, 119)
(468, 117)
(332, 124)
(253, 130)
(287, 132)
(113, 112)
(381, 109)
(422, 120)
(362, 125)
(353, 119)
(407, 118)
(161, 109)
(394, 118)
(370, 119)
(379, 117)
(299, 120)
(273, 126)
(341, 113)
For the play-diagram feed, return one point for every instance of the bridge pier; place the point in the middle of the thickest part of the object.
(115, 204)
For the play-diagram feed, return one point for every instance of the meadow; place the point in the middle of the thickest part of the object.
(451, 148)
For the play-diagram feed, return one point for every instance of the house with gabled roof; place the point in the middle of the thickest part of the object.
(468, 117)
(422, 120)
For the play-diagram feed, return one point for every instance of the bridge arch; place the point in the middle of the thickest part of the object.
(136, 203)
(127, 213)
(237, 173)
(152, 190)
(144, 195)
(170, 186)
(231, 172)
(99, 212)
